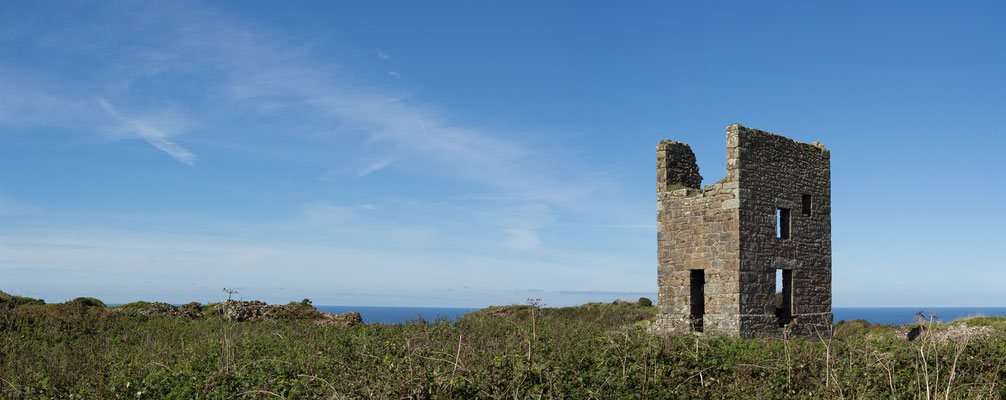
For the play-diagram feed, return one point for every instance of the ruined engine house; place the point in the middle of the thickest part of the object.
(751, 254)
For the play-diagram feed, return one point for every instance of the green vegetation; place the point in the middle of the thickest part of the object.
(992, 322)
(135, 304)
(597, 350)
(676, 186)
(692, 192)
(88, 302)
(9, 301)
(306, 303)
(645, 302)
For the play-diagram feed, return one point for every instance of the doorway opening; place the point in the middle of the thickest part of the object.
(784, 295)
(697, 280)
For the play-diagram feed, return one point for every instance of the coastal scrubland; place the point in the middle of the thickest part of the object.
(84, 349)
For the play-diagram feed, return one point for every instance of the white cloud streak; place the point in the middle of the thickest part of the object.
(151, 134)
(374, 166)
(264, 71)
(262, 68)
(522, 182)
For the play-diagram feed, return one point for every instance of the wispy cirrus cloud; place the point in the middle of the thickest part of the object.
(520, 226)
(152, 134)
(273, 97)
(260, 68)
(28, 101)
(261, 71)
(374, 166)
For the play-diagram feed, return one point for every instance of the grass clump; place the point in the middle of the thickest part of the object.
(860, 328)
(992, 322)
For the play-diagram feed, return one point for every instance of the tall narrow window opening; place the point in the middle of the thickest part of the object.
(784, 295)
(698, 298)
(782, 223)
(808, 204)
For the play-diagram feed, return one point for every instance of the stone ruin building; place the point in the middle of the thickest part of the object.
(722, 249)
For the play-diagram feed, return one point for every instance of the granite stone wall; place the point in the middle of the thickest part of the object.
(676, 166)
(729, 232)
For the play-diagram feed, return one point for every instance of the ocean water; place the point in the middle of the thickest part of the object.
(906, 315)
(883, 315)
(398, 315)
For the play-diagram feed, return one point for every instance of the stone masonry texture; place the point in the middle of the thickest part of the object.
(728, 234)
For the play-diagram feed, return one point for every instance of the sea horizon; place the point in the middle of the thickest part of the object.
(880, 315)
(874, 315)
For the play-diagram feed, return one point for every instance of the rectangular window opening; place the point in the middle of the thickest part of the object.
(697, 280)
(808, 204)
(784, 295)
(782, 223)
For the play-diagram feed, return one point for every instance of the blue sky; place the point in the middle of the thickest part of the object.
(476, 153)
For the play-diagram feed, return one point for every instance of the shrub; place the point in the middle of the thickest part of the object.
(645, 302)
(135, 304)
(88, 302)
(306, 304)
(15, 301)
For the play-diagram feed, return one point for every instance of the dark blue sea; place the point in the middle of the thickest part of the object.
(906, 315)
(883, 315)
(398, 315)
(890, 316)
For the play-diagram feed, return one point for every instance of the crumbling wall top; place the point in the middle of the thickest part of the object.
(676, 167)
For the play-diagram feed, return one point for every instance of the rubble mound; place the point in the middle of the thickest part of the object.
(190, 310)
(348, 319)
(960, 333)
(242, 311)
(256, 310)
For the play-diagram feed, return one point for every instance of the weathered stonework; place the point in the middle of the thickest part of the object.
(719, 248)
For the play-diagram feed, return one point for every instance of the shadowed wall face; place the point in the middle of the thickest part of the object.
(676, 166)
(770, 213)
(777, 174)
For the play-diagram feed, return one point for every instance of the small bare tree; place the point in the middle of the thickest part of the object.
(535, 306)
(226, 335)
